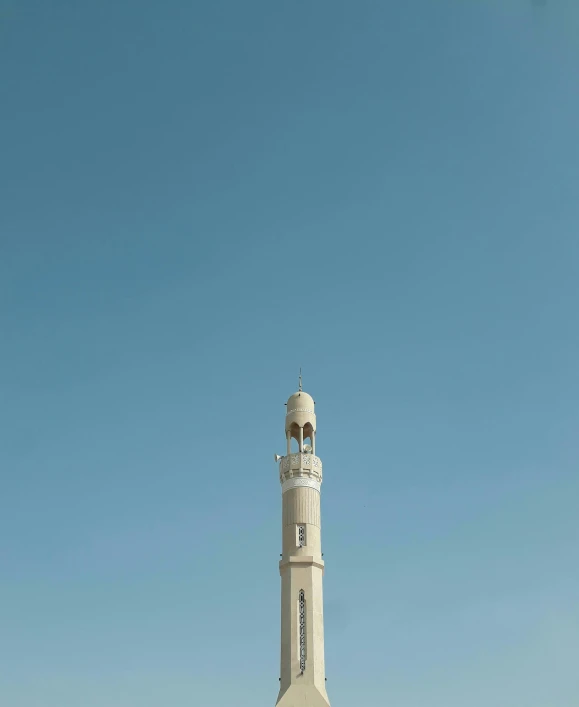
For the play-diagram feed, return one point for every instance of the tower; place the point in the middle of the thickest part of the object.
(303, 680)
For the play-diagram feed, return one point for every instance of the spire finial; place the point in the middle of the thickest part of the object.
(300, 379)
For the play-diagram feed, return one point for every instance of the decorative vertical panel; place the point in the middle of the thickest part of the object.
(302, 618)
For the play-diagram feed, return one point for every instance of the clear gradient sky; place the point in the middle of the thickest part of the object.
(198, 198)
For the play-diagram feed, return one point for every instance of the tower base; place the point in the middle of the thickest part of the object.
(302, 696)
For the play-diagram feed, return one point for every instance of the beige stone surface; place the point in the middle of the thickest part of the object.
(301, 566)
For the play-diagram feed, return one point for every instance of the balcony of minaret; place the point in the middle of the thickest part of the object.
(299, 464)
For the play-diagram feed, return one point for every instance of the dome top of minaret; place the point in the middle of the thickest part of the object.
(300, 410)
(300, 401)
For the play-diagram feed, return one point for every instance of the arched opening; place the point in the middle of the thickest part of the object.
(309, 439)
(295, 438)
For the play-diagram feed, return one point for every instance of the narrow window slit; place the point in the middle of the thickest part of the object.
(302, 611)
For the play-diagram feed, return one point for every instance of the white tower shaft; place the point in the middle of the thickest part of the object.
(303, 680)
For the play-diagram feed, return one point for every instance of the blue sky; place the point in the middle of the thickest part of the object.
(199, 198)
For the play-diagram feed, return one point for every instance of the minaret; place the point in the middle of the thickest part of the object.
(303, 675)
